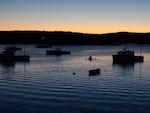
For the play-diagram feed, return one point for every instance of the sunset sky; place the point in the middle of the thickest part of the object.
(87, 16)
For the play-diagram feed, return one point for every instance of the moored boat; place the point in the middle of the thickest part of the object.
(43, 46)
(57, 52)
(94, 72)
(14, 48)
(8, 55)
(127, 56)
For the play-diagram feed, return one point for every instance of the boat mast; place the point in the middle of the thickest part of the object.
(24, 50)
(24, 42)
(140, 49)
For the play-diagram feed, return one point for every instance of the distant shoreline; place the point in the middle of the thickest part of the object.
(72, 38)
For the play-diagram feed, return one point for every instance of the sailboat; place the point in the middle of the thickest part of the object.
(8, 55)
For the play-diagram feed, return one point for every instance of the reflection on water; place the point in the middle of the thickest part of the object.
(8, 70)
(47, 83)
(124, 70)
(6, 64)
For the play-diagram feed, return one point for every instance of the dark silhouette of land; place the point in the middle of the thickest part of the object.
(71, 38)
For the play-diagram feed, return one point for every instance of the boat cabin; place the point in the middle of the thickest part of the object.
(126, 52)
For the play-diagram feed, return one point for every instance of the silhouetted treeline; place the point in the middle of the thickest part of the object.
(72, 38)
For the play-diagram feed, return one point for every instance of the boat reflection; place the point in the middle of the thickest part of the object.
(123, 69)
(7, 64)
(9, 70)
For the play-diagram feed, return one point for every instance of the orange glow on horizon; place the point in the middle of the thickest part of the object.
(75, 28)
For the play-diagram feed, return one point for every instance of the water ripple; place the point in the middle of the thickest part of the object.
(47, 85)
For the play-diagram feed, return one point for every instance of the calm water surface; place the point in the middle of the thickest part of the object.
(46, 83)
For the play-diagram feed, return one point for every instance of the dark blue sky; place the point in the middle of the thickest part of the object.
(92, 16)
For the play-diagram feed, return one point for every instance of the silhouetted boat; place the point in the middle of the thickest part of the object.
(126, 57)
(94, 72)
(8, 55)
(43, 46)
(13, 48)
(57, 52)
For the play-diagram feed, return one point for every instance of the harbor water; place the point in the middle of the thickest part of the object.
(61, 84)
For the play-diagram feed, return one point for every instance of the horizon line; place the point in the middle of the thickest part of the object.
(71, 31)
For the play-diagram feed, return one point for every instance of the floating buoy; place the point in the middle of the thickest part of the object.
(90, 58)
